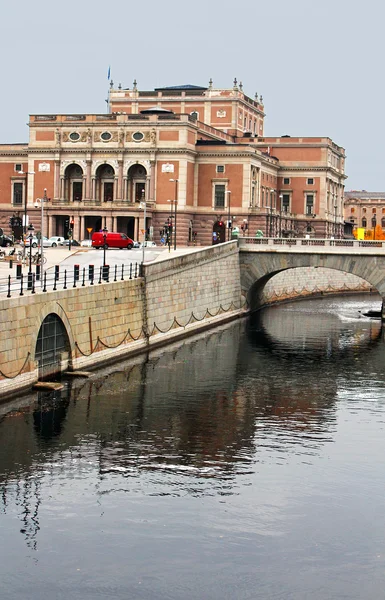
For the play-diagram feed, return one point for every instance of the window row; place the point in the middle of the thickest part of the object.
(364, 222)
(309, 181)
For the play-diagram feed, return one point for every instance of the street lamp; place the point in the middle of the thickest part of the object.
(280, 214)
(31, 229)
(229, 215)
(42, 201)
(143, 205)
(176, 181)
(335, 220)
(26, 173)
(271, 213)
(105, 231)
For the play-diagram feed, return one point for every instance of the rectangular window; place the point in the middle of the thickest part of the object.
(77, 191)
(285, 203)
(286, 181)
(18, 194)
(18, 167)
(352, 210)
(220, 168)
(310, 181)
(140, 191)
(309, 204)
(219, 199)
(108, 191)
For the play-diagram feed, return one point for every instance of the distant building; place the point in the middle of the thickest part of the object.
(365, 209)
(200, 146)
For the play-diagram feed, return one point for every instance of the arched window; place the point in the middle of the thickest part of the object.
(383, 222)
(374, 221)
(363, 222)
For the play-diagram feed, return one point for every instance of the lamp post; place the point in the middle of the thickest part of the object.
(229, 215)
(105, 231)
(280, 214)
(143, 205)
(271, 213)
(26, 173)
(31, 229)
(42, 201)
(176, 181)
(335, 220)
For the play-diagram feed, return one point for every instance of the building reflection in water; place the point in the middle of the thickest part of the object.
(200, 411)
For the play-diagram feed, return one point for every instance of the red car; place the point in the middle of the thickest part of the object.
(112, 240)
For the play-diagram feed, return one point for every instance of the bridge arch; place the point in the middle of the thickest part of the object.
(257, 268)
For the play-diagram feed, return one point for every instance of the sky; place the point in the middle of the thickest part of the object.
(318, 64)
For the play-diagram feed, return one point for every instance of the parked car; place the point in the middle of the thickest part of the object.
(136, 245)
(36, 242)
(111, 240)
(56, 240)
(86, 243)
(6, 241)
(73, 243)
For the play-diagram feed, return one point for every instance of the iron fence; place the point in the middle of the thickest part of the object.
(58, 278)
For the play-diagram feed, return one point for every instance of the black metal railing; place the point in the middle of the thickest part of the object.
(59, 278)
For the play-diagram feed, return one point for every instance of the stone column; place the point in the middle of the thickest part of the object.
(93, 188)
(88, 181)
(75, 233)
(119, 195)
(147, 195)
(152, 181)
(56, 190)
(115, 192)
(50, 226)
(61, 188)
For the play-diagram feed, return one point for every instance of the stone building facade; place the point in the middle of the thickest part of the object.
(194, 155)
(365, 209)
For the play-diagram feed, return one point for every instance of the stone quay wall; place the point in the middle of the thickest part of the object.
(108, 321)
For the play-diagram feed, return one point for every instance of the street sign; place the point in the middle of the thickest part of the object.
(89, 229)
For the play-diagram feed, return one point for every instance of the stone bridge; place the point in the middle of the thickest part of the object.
(261, 259)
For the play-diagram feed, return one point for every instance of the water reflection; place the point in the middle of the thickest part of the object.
(206, 419)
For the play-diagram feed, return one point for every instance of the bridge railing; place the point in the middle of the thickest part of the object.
(311, 242)
(59, 278)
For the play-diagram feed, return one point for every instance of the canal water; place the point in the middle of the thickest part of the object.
(244, 463)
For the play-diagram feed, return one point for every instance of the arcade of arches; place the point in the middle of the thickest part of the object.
(121, 194)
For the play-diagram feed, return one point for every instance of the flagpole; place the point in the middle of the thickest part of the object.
(109, 88)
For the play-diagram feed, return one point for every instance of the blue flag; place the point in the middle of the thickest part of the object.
(109, 73)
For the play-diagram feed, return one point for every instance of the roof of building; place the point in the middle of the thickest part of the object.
(156, 110)
(187, 86)
(364, 195)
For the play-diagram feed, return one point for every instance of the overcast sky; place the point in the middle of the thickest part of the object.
(318, 64)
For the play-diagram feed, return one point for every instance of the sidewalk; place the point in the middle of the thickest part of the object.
(54, 257)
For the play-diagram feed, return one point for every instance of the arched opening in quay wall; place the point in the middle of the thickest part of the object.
(52, 347)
